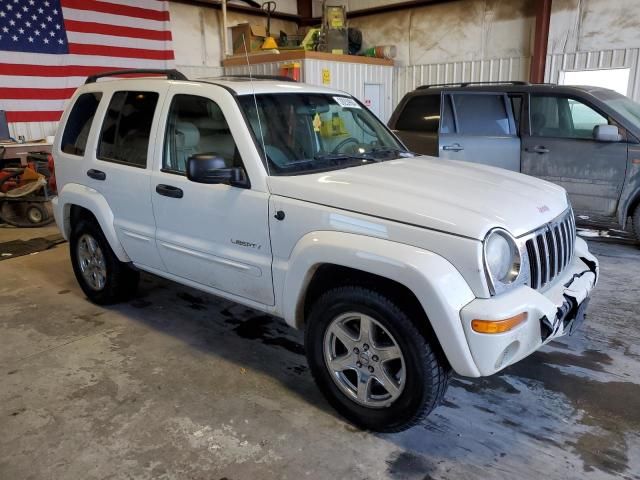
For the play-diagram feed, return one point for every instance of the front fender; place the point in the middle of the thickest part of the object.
(86, 197)
(436, 283)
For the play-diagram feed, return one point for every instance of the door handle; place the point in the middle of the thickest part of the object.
(96, 174)
(456, 147)
(537, 149)
(169, 191)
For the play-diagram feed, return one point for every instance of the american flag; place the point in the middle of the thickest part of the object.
(49, 47)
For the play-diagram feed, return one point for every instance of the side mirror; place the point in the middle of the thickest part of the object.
(606, 133)
(210, 168)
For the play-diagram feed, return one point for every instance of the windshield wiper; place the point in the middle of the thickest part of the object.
(392, 150)
(345, 156)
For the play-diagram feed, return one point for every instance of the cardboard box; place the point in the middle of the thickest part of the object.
(254, 36)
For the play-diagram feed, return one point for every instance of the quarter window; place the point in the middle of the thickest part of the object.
(76, 131)
(125, 132)
(481, 114)
(563, 117)
(197, 125)
(421, 114)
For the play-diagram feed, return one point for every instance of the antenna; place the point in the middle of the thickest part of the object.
(255, 102)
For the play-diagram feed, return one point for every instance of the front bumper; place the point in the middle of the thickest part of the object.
(551, 313)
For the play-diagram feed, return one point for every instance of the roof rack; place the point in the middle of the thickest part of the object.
(468, 84)
(170, 74)
(280, 78)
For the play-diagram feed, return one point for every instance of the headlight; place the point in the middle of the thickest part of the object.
(502, 260)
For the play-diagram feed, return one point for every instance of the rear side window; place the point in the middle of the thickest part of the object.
(125, 132)
(483, 115)
(421, 114)
(76, 131)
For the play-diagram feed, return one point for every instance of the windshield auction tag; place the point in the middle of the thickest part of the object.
(346, 102)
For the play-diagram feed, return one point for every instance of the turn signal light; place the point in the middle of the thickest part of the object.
(498, 326)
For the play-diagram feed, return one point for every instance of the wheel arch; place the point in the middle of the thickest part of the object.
(431, 287)
(75, 202)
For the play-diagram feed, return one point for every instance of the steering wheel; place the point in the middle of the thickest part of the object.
(343, 143)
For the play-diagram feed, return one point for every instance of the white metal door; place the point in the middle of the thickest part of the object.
(215, 235)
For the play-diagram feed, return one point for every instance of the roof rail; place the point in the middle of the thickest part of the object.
(170, 74)
(468, 84)
(280, 78)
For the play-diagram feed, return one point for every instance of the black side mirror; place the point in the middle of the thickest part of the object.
(211, 168)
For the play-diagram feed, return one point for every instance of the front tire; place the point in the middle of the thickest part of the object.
(371, 362)
(103, 278)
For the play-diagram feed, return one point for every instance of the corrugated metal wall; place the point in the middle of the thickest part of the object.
(411, 77)
(348, 77)
(623, 58)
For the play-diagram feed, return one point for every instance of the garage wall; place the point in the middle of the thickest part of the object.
(462, 31)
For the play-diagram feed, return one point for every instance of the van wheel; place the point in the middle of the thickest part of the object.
(371, 362)
(103, 278)
(636, 222)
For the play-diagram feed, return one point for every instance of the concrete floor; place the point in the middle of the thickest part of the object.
(177, 384)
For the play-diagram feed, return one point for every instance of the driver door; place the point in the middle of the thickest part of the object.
(559, 146)
(214, 235)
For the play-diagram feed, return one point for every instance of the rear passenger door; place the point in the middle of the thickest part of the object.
(215, 235)
(120, 169)
(479, 127)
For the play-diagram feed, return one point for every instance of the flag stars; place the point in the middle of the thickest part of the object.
(18, 15)
(60, 41)
(37, 33)
(27, 24)
(40, 11)
(2, 14)
(30, 39)
(25, 9)
(57, 26)
(5, 29)
(43, 25)
(49, 18)
(46, 4)
(52, 33)
(9, 7)
(46, 40)
(32, 2)
(34, 17)
(21, 31)
(12, 22)
(15, 38)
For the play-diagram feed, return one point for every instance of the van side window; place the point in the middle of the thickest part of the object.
(197, 125)
(563, 117)
(481, 114)
(76, 131)
(421, 114)
(125, 131)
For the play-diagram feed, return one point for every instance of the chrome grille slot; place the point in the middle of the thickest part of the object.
(550, 250)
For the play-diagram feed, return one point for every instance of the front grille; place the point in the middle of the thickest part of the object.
(550, 250)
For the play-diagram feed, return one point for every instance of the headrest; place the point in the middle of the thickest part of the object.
(187, 135)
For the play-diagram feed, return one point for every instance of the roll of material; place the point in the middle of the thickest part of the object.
(381, 51)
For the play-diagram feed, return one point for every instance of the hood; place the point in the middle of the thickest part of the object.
(455, 197)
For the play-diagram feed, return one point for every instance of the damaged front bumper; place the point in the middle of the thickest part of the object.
(550, 313)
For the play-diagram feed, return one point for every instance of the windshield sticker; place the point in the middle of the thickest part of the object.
(346, 102)
(317, 123)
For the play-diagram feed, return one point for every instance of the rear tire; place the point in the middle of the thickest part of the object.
(416, 376)
(103, 278)
(636, 222)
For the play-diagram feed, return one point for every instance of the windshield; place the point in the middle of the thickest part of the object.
(621, 104)
(307, 133)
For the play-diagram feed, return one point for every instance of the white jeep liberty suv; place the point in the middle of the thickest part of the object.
(297, 201)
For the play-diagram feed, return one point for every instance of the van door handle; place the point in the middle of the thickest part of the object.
(96, 174)
(169, 191)
(456, 147)
(537, 149)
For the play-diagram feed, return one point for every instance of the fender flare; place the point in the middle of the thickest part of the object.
(92, 200)
(626, 208)
(438, 286)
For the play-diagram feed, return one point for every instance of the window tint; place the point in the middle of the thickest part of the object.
(76, 131)
(448, 123)
(563, 117)
(481, 114)
(126, 128)
(421, 114)
(197, 125)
